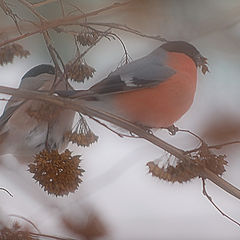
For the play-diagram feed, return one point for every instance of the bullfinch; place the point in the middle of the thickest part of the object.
(22, 131)
(153, 91)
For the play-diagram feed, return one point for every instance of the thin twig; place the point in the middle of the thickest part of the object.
(4, 189)
(31, 8)
(125, 28)
(49, 236)
(214, 204)
(64, 21)
(9, 13)
(51, 52)
(98, 40)
(27, 220)
(124, 47)
(217, 146)
(112, 130)
(45, 33)
(62, 7)
(39, 4)
(190, 132)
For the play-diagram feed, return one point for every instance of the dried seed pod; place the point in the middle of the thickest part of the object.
(82, 135)
(180, 173)
(184, 171)
(78, 70)
(213, 162)
(8, 53)
(57, 173)
(87, 38)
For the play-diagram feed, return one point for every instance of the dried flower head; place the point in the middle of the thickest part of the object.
(15, 233)
(77, 70)
(10, 51)
(211, 161)
(87, 38)
(179, 173)
(82, 135)
(44, 112)
(185, 171)
(57, 173)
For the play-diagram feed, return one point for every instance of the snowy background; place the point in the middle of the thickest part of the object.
(131, 203)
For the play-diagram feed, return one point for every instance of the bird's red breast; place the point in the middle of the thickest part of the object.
(164, 104)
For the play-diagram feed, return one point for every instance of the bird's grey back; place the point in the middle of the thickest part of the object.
(153, 67)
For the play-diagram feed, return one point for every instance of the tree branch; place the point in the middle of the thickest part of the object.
(62, 21)
(78, 106)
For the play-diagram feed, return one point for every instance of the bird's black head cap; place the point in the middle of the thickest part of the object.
(186, 48)
(40, 69)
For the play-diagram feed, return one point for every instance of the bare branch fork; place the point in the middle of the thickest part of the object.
(214, 204)
(78, 106)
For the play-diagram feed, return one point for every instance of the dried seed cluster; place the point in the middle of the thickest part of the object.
(184, 171)
(83, 140)
(10, 51)
(45, 112)
(87, 38)
(79, 71)
(180, 173)
(211, 161)
(58, 174)
(15, 233)
(82, 135)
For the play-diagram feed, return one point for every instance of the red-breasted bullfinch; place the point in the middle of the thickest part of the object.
(153, 91)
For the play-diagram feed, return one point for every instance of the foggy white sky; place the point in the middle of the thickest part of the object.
(134, 205)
